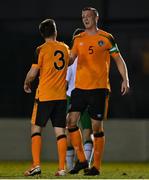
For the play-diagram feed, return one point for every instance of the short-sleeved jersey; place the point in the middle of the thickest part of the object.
(53, 58)
(93, 53)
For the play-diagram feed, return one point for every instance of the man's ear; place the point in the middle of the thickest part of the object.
(97, 19)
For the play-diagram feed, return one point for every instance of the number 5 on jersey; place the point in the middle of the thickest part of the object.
(90, 49)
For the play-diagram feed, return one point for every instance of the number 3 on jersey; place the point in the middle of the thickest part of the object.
(60, 60)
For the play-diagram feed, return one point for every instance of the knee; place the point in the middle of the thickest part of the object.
(72, 120)
(35, 129)
(97, 126)
(87, 134)
(59, 131)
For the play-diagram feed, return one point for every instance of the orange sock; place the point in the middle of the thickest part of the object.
(62, 148)
(76, 140)
(99, 142)
(36, 148)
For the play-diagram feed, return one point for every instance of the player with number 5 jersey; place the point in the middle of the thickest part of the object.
(93, 47)
(93, 53)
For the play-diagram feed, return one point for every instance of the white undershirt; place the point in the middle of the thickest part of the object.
(71, 76)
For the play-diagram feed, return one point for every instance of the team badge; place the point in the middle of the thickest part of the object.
(100, 43)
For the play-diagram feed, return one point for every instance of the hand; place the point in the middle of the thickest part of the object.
(125, 87)
(27, 88)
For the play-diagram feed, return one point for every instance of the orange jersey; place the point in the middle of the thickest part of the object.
(53, 58)
(93, 53)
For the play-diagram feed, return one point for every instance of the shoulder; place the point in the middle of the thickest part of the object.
(79, 36)
(39, 48)
(104, 33)
(107, 35)
(36, 54)
(62, 44)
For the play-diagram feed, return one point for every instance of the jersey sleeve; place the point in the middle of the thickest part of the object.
(113, 48)
(37, 60)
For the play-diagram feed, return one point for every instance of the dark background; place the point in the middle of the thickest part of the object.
(127, 21)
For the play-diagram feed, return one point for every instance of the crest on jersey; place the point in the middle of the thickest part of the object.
(100, 43)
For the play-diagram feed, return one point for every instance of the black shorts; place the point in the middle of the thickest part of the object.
(54, 110)
(94, 101)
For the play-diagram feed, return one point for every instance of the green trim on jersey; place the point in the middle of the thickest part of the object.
(72, 41)
(114, 45)
(114, 49)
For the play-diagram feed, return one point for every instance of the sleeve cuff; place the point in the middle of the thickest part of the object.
(35, 65)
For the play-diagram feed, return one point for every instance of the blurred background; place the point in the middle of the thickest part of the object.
(127, 21)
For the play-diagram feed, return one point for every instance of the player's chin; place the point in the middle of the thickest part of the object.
(87, 26)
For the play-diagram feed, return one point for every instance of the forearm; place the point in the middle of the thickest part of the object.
(123, 71)
(29, 78)
(72, 58)
(31, 75)
(122, 68)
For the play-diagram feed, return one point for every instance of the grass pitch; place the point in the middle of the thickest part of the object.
(15, 170)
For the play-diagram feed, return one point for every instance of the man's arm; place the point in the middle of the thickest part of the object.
(31, 75)
(124, 73)
(72, 58)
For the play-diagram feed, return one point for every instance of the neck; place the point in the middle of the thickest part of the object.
(92, 30)
(50, 39)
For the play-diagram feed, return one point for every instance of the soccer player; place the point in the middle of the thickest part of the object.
(93, 49)
(51, 62)
(85, 121)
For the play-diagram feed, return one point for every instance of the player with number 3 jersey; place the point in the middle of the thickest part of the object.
(51, 63)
